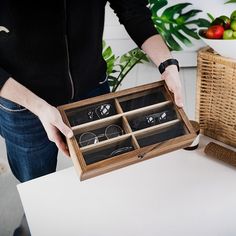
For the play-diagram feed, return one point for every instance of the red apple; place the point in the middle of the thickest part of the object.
(215, 32)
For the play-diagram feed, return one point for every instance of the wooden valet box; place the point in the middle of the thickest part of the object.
(118, 129)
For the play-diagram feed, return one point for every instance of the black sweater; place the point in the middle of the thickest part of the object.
(54, 47)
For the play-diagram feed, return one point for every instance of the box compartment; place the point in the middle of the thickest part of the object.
(111, 150)
(100, 131)
(90, 113)
(152, 117)
(142, 99)
(161, 134)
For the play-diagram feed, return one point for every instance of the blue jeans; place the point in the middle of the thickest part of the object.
(29, 151)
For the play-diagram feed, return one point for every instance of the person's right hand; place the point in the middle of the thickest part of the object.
(54, 126)
(49, 116)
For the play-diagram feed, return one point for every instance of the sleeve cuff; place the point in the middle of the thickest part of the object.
(4, 76)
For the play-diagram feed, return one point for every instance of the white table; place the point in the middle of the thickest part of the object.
(183, 193)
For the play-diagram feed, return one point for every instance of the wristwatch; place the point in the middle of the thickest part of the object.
(167, 63)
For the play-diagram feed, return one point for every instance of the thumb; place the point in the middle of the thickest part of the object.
(178, 98)
(65, 129)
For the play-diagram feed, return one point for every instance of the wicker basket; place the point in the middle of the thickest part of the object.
(216, 96)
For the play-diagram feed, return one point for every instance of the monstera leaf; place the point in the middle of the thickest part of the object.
(176, 24)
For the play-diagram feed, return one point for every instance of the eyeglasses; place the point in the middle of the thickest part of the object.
(90, 159)
(101, 111)
(92, 114)
(89, 138)
(153, 119)
(121, 150)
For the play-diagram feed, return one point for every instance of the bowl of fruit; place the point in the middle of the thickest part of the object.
(221, 35)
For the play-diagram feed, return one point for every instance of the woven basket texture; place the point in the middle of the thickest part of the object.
(216, 96)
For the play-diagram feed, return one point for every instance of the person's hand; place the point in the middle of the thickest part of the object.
(55, 127)
(172, 79)
(49, 116)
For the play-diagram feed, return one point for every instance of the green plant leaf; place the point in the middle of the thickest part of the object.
(200, 22)
(190, 32)
(107, 53)
(109, 57)
(118, 68)
(211, 16)
(184, 17)
(175, 24)
(112, 80)
(126, 63)
(155, 7)
(231, 1)
(170, 12)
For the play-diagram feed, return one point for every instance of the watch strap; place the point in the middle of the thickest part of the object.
(167, 63)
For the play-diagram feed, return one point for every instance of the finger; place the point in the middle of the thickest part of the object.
(55, 136)
(62, 145)
(178, 98)
(64, 129)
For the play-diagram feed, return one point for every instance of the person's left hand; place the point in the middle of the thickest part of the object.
(172, 79)
(54, 126)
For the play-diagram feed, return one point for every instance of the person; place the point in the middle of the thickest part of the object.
(51, 54)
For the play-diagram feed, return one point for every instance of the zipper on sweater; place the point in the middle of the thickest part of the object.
(69, 73)
(68, 56)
